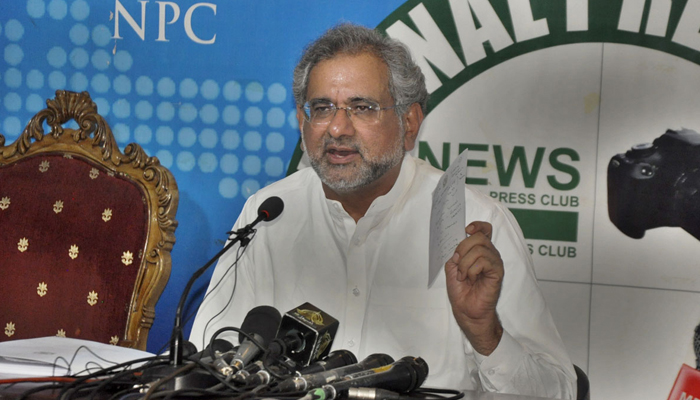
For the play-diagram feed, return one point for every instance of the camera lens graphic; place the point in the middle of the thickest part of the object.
(642, 150)
(657, 184)
(646, 170)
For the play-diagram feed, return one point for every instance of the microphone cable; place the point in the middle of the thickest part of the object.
(373, 393)
(77, 381)
(213, 391)
(165, 379)
(87, 381)
(265, 356)
(425, 393)
(191, 314)
(240, 252)
(224, 381)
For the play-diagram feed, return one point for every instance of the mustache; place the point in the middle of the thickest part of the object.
(342, 141)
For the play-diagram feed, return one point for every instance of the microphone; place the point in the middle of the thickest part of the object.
(696, 346)
(305, 334)
(213, 350)
(687, 384)
(403, 376)
(261, 323)
(251, 370)
(375, 394)
(270, 209)
(337, 358)
(309, 381)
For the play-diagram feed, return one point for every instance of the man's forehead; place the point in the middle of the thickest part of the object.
(349, 77)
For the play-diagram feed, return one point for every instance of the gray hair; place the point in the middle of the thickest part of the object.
(406, 81)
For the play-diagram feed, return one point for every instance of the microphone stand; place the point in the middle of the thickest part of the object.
(270, 209)
(193, 378)
(176, 340)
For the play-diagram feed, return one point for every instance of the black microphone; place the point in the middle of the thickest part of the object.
(261, 323)
(335, 359)
(309, 381)
(363, 393)
(305, 335)
(213, 350)
(190, 350)
(244, 376)
(403, 376)
(696, 346)
(270, 209)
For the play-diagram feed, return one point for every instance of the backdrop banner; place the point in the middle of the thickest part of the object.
(580, 115)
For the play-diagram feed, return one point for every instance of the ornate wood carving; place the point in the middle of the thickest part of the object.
(94, 140)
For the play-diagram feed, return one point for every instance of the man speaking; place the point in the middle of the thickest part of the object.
(353, 239)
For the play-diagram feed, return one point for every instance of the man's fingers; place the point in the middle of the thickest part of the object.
(479, 226)
(472, 272)
(475, 255)
(478, 259)
(476, 239)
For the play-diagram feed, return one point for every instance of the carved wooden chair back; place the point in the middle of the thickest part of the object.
(86, 230)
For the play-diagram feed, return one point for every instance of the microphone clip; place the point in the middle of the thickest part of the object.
(244, 235)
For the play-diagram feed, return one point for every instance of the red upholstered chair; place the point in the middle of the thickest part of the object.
(85, 230)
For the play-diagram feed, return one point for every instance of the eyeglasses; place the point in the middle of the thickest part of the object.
(322, 113)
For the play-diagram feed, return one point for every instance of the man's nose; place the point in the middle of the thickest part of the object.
(341, 124)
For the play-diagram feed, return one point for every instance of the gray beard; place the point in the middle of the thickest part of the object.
(367, 172)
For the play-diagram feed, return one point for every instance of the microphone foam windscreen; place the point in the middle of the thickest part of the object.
(263, 320)
(271, 208)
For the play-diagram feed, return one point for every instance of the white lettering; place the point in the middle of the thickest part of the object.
(633, 11)
(188, 23)
(431, 46)
(576, 15)
(659, 13)
(687, 31)
(161, 18)
(631, 15)
(472, 39)
(120, 10)
(685, 396)
(523, 24)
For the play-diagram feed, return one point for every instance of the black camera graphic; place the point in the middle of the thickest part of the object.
(657, 184)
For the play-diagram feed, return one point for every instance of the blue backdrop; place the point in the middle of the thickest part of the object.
(204, 86)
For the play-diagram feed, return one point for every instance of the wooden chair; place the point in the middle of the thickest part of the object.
(85, 230)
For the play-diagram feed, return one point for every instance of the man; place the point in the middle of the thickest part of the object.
(353, 238)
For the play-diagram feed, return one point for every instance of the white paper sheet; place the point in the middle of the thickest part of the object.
(57, 356)
(447, 216)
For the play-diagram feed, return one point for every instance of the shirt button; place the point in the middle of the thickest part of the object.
(351, 343)
(358, 241)
(356, 291)
(492, 371)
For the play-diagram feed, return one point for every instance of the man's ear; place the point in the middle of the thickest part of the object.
(413, 118)
(301, 120)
